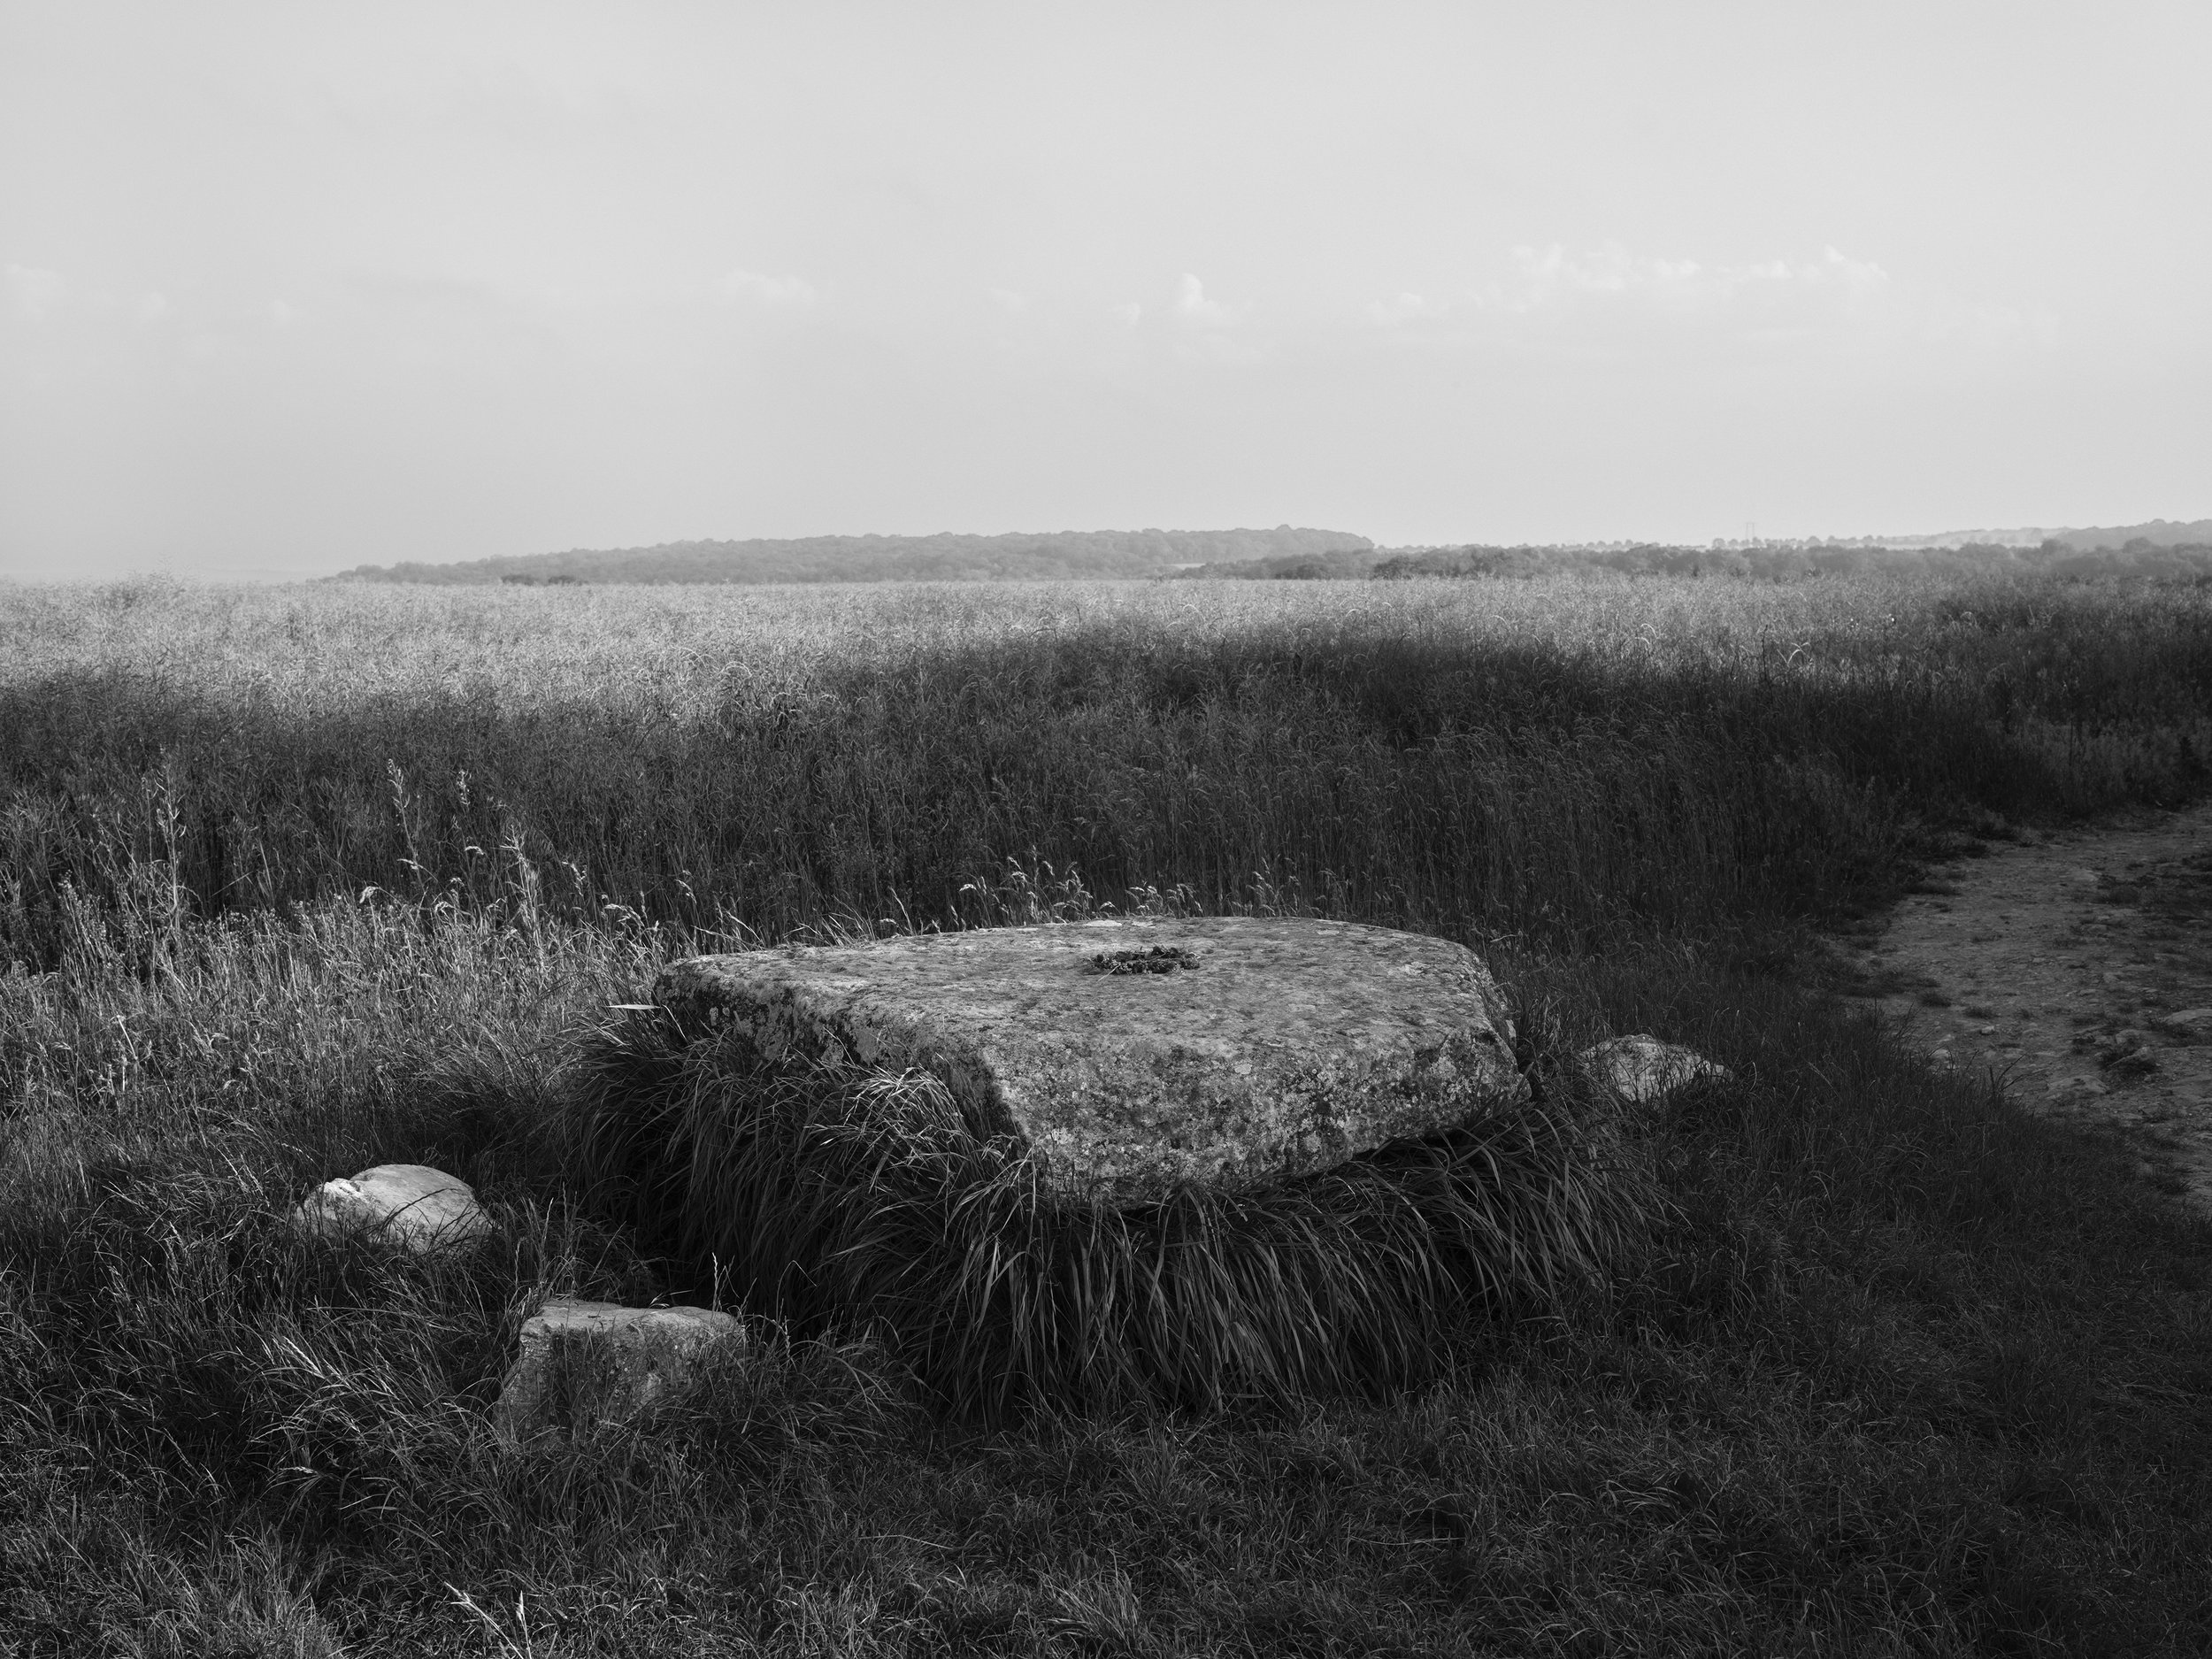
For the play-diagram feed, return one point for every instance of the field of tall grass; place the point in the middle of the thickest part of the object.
(296, 880)
(1554, 759)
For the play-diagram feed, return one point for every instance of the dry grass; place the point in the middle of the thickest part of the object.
(1554, 760)
(1901, 1369)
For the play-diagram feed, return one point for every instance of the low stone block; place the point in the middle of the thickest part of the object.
(1639, 1069)
(588, 1364)
(412, 1205)
(1131, 1055)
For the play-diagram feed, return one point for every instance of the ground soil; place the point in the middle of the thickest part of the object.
(2075, 967)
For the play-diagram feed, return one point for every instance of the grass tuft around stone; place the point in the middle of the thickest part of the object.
(863, 1202)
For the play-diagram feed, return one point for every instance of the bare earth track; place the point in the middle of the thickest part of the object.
(2076, 966)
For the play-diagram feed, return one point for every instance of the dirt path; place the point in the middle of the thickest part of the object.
(2078, 967)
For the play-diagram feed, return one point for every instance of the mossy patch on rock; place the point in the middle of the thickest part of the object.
(1155, 959)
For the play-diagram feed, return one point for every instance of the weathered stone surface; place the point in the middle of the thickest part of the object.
(2187, 1023)
(1640, 1068)
(2129, 1053)
(412, 1205)
(1130, 1054)
(584, 1363)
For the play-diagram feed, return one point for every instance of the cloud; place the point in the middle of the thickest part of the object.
(152, 307)
(1610, 301)
(1192, 306)
(1612, 304)
(1548, 271)
(1549, 275)
(33, 290)
(1128, 312)
(1007, 300)
(1405, 308)
(751, 287)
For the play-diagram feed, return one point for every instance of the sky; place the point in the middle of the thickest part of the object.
(289, 288)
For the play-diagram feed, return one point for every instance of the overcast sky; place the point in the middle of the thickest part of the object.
(292, 287)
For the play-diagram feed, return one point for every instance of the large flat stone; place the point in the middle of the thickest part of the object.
(1292, 1044)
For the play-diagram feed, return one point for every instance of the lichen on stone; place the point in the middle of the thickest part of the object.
(1157, 959)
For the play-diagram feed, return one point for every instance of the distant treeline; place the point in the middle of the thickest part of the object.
(2140, 557)
(877, 559)
(2158, 531)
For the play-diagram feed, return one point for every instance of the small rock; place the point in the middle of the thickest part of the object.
(2078, 1086)
(2127, 1050)
(1640, 1068)
(584, 1363)
(421, 1209)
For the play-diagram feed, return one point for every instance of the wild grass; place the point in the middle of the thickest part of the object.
(1552, 759)
(847, 1199)
(1899, 1369)
(1907, 1371)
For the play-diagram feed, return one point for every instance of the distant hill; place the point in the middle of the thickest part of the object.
(2162, 548)
(882, 558)
(1288, 554)
(1772, 561)
(2157, 533)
